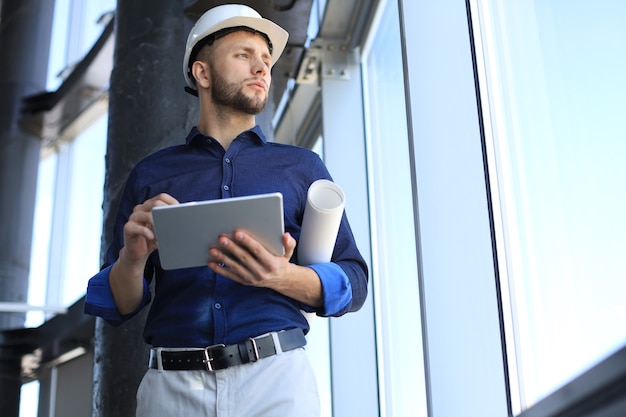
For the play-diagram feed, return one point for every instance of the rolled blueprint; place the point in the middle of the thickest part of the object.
(322, 216)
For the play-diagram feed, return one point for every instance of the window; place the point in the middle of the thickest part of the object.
(553, 94)
(394, 263)
(68, 207)
(71, 175)
(459, 305)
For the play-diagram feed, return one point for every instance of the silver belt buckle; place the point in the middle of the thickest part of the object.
(255, 349)
(208, 358)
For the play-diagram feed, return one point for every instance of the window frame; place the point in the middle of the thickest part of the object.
(458, 275)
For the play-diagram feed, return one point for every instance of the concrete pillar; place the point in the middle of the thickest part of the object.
(148, 110)
(25, 32)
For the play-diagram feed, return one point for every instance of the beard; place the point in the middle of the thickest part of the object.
(230, 95)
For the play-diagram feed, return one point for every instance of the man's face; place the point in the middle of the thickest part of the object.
(240, 72)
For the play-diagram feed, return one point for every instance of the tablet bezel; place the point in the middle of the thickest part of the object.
(184, 237)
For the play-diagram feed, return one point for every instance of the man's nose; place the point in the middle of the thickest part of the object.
(259, 66)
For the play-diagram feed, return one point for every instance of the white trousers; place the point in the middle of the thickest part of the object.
(277, 386)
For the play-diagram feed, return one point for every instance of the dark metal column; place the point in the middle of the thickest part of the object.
(148, 109)
(25, 29)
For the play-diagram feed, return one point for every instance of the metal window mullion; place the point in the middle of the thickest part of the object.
(353, 344)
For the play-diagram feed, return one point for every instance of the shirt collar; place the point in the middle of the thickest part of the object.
(255, 133)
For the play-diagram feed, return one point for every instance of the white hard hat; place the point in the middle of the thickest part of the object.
(232, 16)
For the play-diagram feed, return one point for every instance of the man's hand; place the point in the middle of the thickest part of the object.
(245, 260)
(126, 277)
(139, 238)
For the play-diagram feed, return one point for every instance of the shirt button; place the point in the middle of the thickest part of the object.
(218, 306)
(208, 141)
(226, 187)
(227, 160)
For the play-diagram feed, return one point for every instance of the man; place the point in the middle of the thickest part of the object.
(227, 338)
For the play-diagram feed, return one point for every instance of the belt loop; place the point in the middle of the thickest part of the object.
(159, 359)
(277, 345)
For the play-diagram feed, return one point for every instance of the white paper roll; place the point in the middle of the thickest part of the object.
(322, 217)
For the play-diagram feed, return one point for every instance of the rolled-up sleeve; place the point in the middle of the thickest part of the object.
(99, 300)
(336, 287)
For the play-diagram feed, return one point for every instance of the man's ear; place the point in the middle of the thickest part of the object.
(201, 74)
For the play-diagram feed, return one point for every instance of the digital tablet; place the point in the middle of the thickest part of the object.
(185, 232)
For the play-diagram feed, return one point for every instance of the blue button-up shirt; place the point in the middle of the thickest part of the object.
(195, 307)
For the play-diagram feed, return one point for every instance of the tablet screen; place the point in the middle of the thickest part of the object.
(185, 232)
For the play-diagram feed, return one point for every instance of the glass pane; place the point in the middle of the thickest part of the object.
(76, 27)
(29, 399)
(555, 93)
(69, 198)
(84, 210)
(394, 264)
(42, 228)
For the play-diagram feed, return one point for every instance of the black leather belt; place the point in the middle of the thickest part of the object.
(213, 358)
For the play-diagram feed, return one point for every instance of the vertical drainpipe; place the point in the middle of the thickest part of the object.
(25, 32)
(148, 110)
